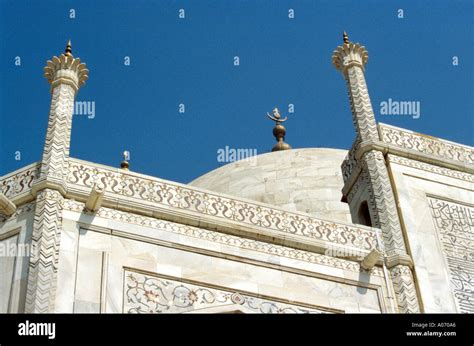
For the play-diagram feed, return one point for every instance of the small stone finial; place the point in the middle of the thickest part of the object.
(124, 164)
(68, 50)
(345, 37)
(279, 130)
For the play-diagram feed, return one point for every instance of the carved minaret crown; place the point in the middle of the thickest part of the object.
(66, 75)
(350, 59)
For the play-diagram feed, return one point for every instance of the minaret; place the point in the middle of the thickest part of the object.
(66, 75)
(374, 187)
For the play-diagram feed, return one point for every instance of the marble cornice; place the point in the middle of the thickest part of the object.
(144, 195)
(412, 146)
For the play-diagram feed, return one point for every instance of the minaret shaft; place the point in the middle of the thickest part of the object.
(361, 107)
(58, 134)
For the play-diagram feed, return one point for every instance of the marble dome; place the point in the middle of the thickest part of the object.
(307, 180)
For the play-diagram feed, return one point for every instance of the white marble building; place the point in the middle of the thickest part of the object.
(386, 227)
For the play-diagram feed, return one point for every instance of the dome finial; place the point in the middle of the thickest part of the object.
(345, 37)
(68, 50)
(124, 164)
(279, 130)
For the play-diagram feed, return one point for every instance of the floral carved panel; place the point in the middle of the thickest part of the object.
(144, 293)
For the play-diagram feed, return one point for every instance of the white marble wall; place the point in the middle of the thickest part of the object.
(414, 186)
(14, 261)
(7, 268)
(96, 252)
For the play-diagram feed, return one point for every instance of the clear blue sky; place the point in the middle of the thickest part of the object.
(190, 61)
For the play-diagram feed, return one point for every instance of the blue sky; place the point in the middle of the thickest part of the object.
(190, 61)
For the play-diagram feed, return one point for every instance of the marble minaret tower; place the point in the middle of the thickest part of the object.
(66, 75)
(368, 188)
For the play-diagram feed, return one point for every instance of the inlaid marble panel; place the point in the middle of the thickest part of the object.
(144, 293)
(455, 224)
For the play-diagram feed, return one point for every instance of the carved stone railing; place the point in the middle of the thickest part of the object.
(425, 144)
(174, 196)
(170, 195)
(20, 181)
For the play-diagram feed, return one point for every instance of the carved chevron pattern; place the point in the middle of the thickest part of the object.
(65, 74)
(403, 284)
(382, 201)
(384, 213)
(58, 136)
(361, 107)
(41, 290)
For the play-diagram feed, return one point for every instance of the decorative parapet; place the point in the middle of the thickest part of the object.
(20, 181)
(174, 197)
(120, 184)
(426, 144)
(431, 168)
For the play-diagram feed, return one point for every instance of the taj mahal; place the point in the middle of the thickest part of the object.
(384, 227)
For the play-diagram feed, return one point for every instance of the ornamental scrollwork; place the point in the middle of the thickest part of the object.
(455, 224)
(426, 144)
(153, 294)
(191, 199)
(20, 182)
